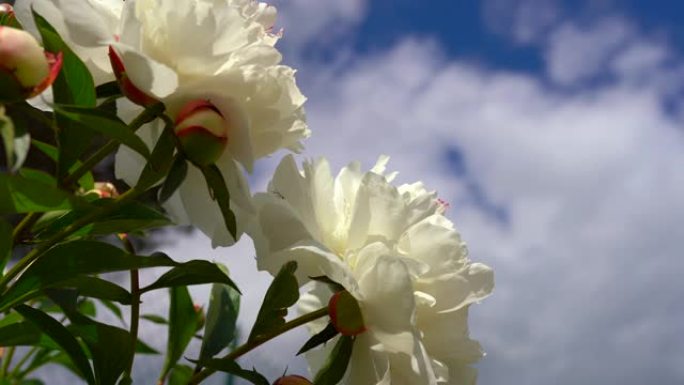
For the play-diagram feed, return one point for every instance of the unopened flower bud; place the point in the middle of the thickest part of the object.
(25, 68)
(7, 9)
(201, 318)
(127, 87)
(345, 314)
(203, 131)
(292, 380)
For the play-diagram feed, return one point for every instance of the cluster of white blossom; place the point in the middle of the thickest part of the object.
(214, 65)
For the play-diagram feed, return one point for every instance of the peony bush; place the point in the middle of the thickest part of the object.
(186, 96)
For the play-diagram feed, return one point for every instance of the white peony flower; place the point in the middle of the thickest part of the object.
(219, 53)
(394, 251)
(87, 26)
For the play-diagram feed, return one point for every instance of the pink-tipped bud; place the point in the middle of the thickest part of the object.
(345, 314)
(127, 87)
(25, 68)
(104, 190)
(292, 380)
(203, 131)
(7, 8)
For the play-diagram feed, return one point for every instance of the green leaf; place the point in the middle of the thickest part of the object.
(110, 348)
(16, 141)
(22, 195)
(180, 375)
(10, 20)
(219, 192)
(143, 348)
(177, 174)
(24, 334)
(219, 331)
(155, 318)
(38, 176)
(104, 123)
(5, 244)
(108, 89)
(98, 288)
(114, 308)
(333, 370)
(71, 260)
(62, 337)
(160, 160)
(73, 86)
(131, 217)
(325, 335)
(283, 293)
(195, 272)
(87, 182)
(233, 368)
(183, 322)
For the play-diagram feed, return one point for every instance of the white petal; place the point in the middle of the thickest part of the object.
(434, 241)
(388, 305)
(87, 26)
(458, 289)
(148, 75)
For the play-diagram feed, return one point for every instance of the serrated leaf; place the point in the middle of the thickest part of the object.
(195, 272)
(320, 338)
(183, 321)
(232, 367)
(160, 161)
(62, 337)
(71, 260)
(176, 176)
(334, 368)
(219, 331)
(219, 192)
(22, 195)
(283, 293)
(104, 123)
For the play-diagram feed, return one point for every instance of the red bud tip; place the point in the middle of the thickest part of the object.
(129, 89)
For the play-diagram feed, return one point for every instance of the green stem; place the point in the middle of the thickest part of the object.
(25, 223)
(135, 303)
(148, 115)
(258, 341)
(6, 361)
(65, 232)
(17, 368)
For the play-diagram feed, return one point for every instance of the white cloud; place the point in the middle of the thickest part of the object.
(592, 185)
(588, 257)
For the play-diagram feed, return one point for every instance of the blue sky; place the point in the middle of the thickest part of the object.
(556, 131)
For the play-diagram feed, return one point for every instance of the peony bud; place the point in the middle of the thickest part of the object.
(129, 89)
(203, 131)
(25, 68)
(292, 380)
(345, 314)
